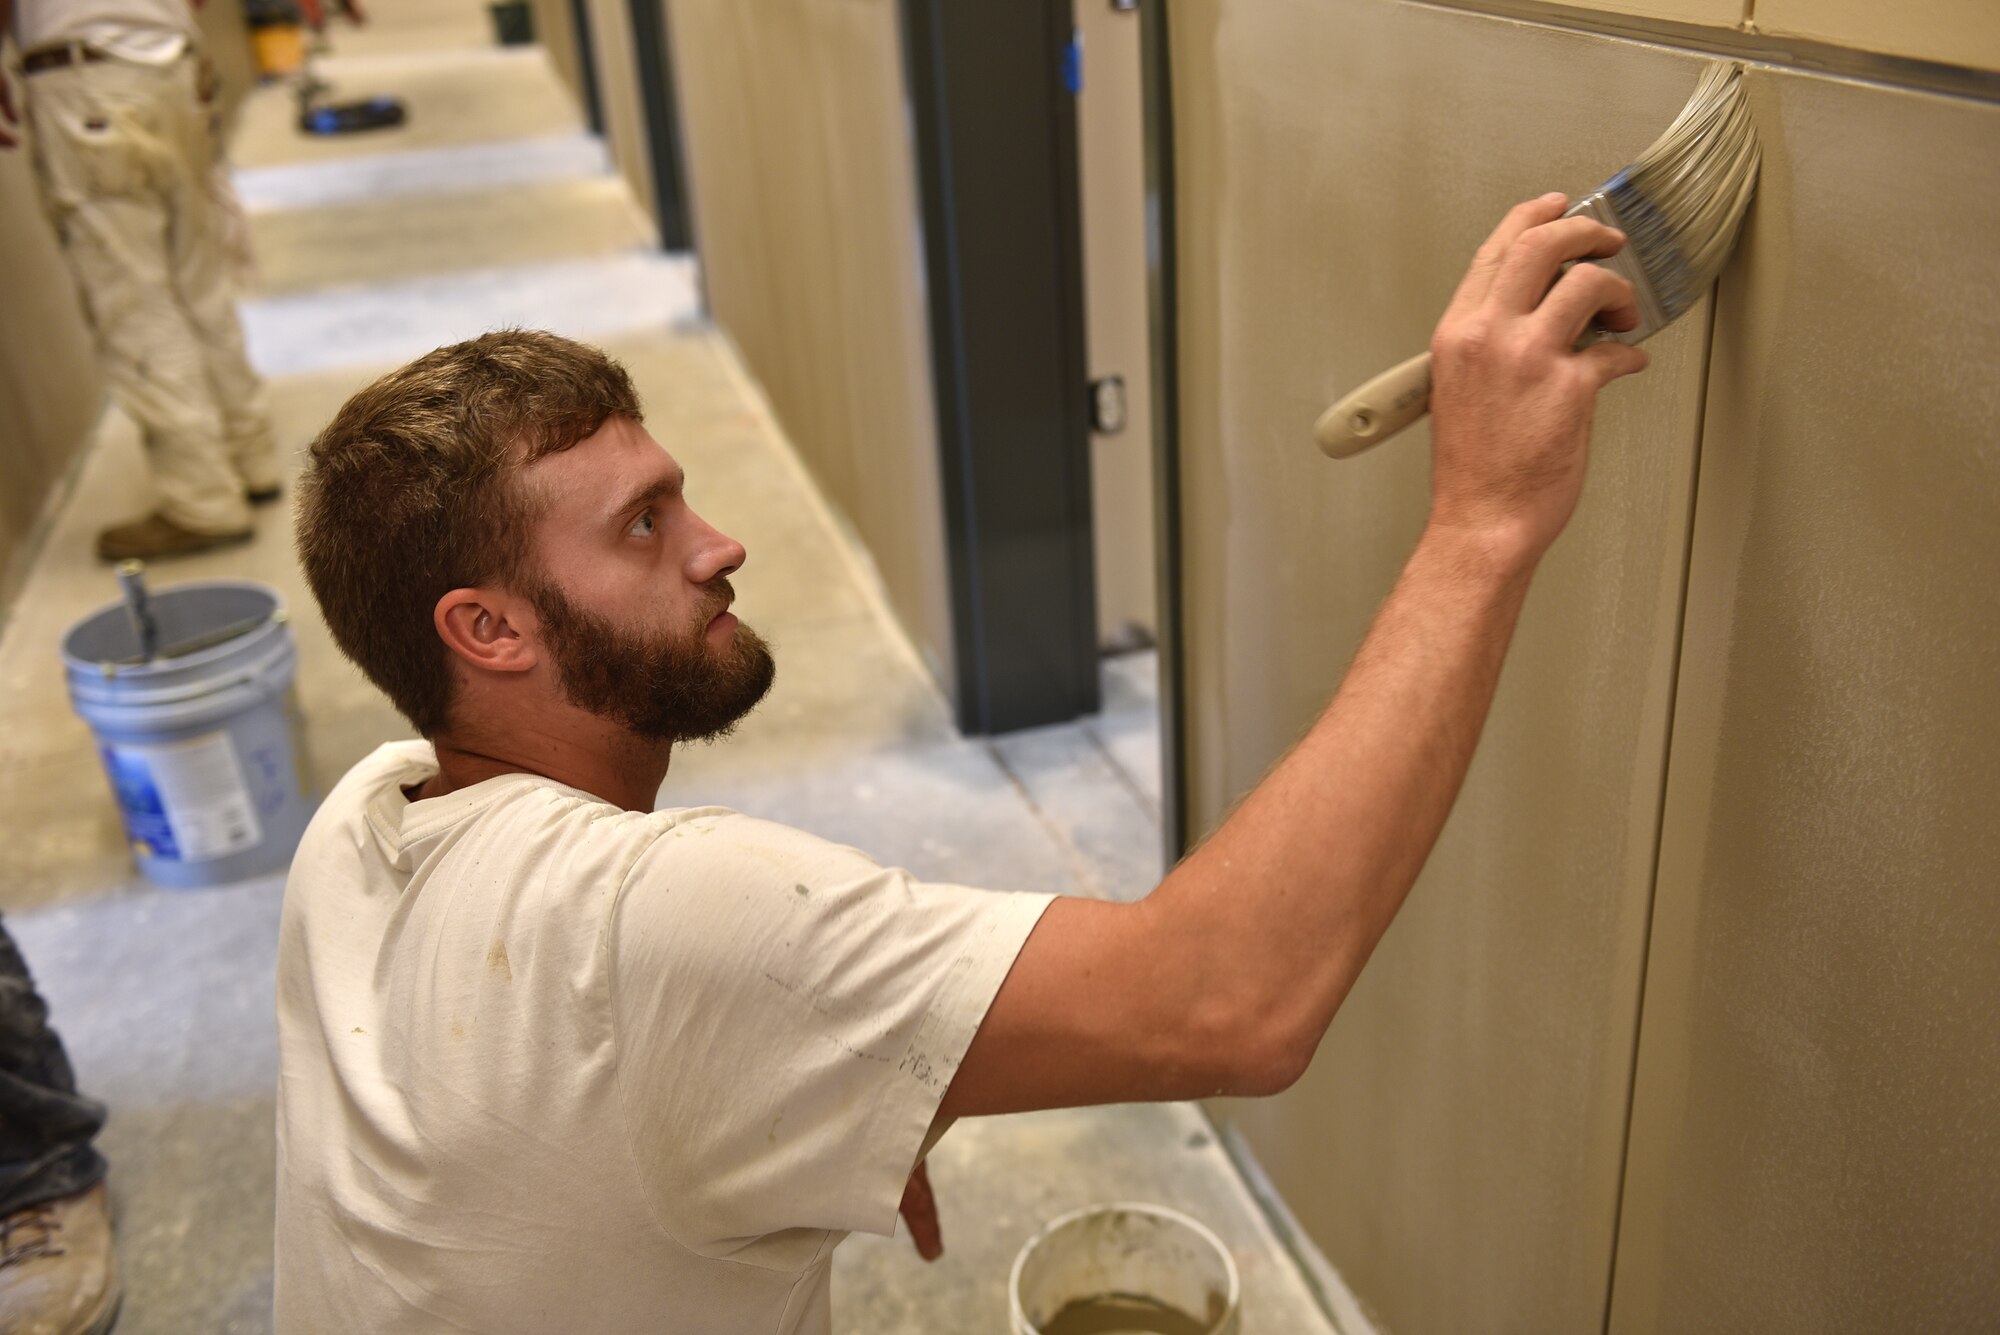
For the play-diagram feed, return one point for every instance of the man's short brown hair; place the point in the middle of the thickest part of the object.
(408, 494)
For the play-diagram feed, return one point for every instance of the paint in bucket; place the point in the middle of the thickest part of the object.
(199, 736)
(1121, 1268)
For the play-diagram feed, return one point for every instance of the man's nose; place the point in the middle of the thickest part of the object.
(719, 555)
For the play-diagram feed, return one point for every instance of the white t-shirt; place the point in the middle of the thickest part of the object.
(149, 32)
(547, 1065)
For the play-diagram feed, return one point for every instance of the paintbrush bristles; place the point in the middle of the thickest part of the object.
(1682, 200)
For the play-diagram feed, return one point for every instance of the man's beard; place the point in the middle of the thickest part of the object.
(659, 685)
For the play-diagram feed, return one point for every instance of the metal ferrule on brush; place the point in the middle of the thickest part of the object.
(1653, 316)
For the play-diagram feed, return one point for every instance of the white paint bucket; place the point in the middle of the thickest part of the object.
(199, 742)
(1147, 1252)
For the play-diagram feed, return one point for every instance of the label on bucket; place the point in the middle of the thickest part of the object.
(185, 801)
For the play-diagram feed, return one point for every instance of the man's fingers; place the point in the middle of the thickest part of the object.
(1486, 260)
(1538, 254)
(1608, 361)
(1618, 319)
(919, 1211)
(1581, 295)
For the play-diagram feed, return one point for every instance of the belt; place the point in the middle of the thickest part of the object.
(56, 57)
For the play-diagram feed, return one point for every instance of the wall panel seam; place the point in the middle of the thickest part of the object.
(1660, 809)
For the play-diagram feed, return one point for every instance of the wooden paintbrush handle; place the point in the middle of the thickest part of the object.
(1378, 410)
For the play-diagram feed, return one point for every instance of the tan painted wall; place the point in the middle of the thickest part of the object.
(555, 29)
(1455, 1147)
(1111, 161)
(618, 94)
(805, 210)
(1957, 32)
(1814, 1138)
(1818, 1065)
(50, 391)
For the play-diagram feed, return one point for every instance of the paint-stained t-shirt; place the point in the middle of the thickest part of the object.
(548, 1065)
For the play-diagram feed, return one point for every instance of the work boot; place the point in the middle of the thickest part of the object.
(58, 1274)
(157, 536)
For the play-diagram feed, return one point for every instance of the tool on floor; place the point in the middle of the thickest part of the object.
(187, 691)
(380, 112)
(316, 116)
(1679, 206)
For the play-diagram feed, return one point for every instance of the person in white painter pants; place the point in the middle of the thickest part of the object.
(118, 99)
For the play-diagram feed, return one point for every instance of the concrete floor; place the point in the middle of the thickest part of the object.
(494, 207)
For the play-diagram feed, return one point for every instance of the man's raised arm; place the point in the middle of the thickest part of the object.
(1225, 977)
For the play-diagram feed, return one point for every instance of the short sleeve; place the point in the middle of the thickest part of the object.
(787, 1015)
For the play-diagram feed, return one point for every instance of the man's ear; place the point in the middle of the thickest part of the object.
(481, 627)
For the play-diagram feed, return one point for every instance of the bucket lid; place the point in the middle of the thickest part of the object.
(208, 629)
(194, 618)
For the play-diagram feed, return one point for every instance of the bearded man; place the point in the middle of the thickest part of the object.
(552, 1060)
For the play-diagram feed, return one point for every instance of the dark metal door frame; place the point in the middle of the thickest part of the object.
(657, 99)
(586, 66)
(1164, 312)
(995, 137)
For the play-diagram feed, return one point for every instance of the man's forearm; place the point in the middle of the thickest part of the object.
(1225, 977)
(1291, 895)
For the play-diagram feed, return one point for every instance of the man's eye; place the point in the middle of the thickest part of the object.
(642, 526)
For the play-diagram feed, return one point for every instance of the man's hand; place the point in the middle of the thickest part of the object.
(1511, 395)
(919, 1210)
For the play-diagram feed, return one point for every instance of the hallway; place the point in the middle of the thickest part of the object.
(1001, 347)
(495, 206)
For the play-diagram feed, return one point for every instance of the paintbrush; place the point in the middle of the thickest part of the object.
(1679, 206)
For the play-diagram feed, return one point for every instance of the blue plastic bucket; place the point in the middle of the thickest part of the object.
(201, 744)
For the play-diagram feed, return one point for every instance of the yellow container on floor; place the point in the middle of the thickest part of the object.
(280, 49)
